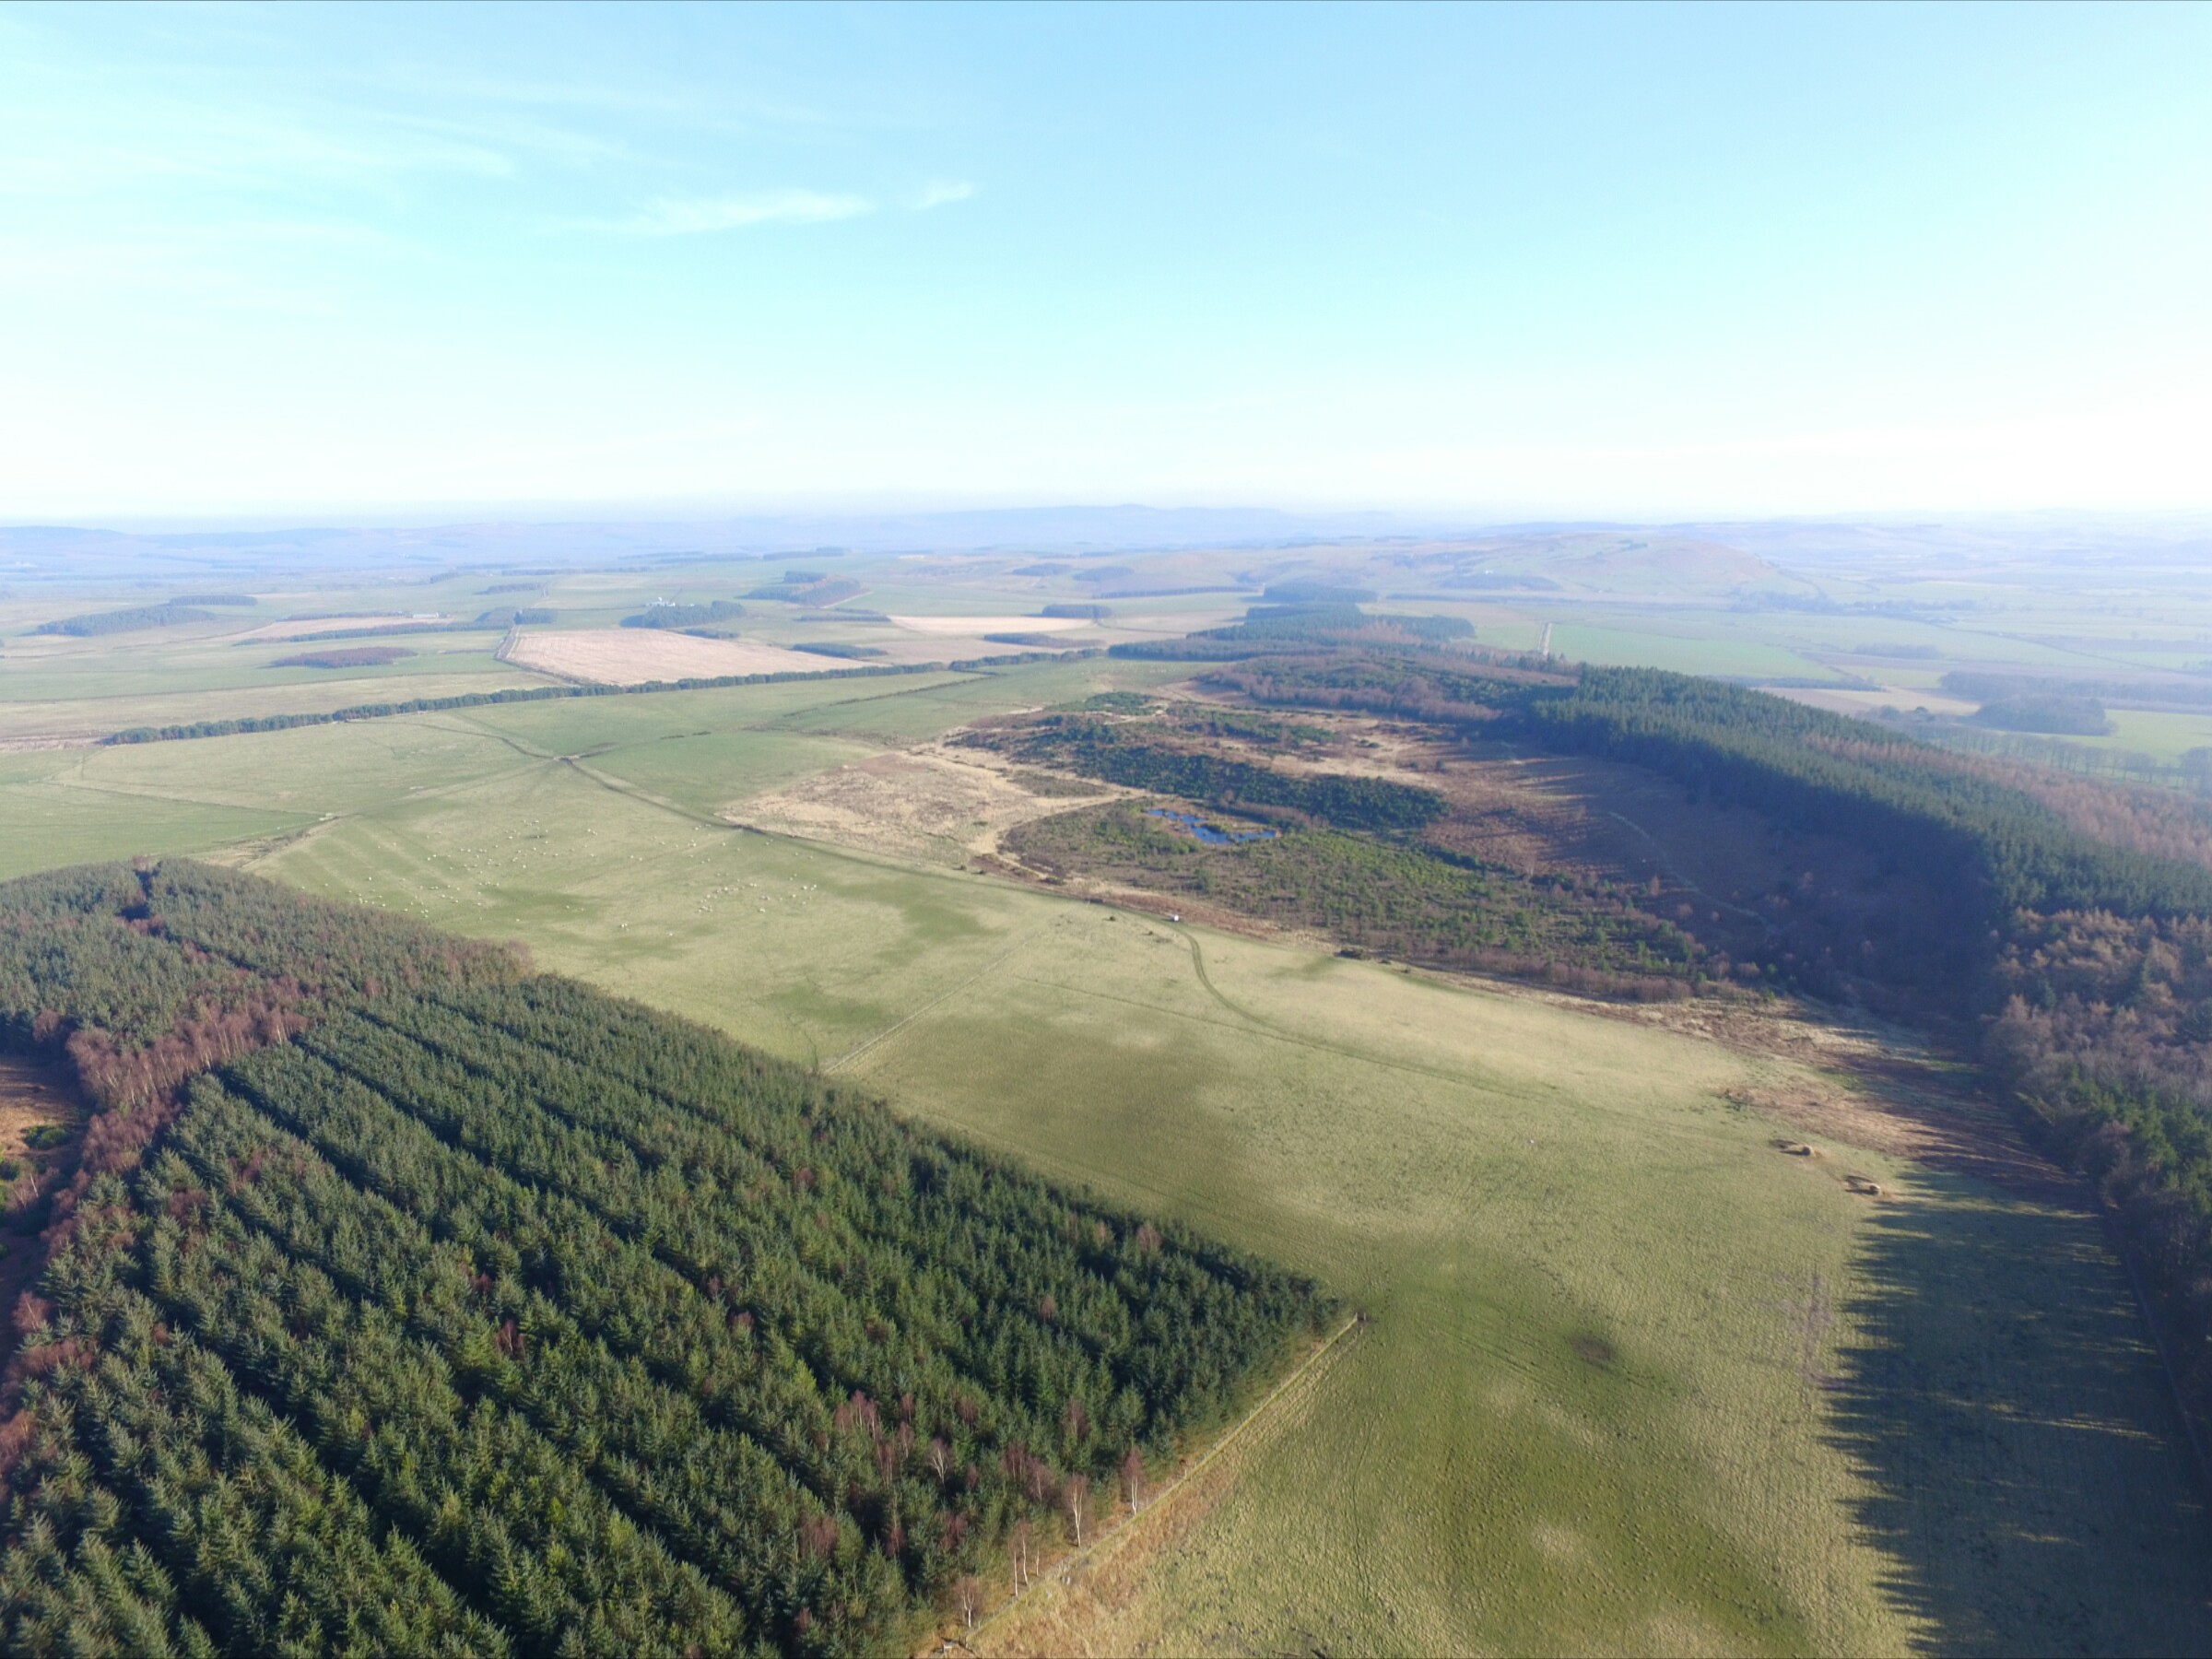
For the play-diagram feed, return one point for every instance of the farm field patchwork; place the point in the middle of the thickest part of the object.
(1634, 1380)
(73, 717)
(982, 625)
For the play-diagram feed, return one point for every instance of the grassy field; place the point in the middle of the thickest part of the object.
(48, 817)
(1713, 651)
(1674, 605)
(1634, 1381)
(77, 689)
(2166, 736)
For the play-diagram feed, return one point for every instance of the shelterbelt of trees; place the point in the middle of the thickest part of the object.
(405, 1300)
(2059, 929)
(1303, 617)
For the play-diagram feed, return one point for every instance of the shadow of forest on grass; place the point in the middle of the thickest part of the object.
(2037, 1497)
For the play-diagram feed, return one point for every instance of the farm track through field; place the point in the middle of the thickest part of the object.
(892, 1030)
(576, 763)
(307, 819)
(1252, 1027)
(1285, 1034)
(787, 721)
(577, 760)
(1205, 979)
(1244, 1021)
(606, 781)
(1124, 1535)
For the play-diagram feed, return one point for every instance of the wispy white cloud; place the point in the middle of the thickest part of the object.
(942, 193)
(173, 145)
(675, 215)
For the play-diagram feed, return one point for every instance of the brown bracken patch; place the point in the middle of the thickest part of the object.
(31, 1098)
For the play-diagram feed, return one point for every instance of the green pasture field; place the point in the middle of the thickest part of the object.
(79, 719)
(1497, 626)
(2026, 633)
(1634, 1380)
(1656, 646)
(2014, 645)
(1959, 644)
(46, 820)
(89, 687)
(2164, 736)
(203, 654)
(941, 708)
(600, 728)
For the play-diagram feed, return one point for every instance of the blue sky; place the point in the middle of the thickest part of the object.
(1578, 260)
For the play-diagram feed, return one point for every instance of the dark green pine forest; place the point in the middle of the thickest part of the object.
(403, 1300)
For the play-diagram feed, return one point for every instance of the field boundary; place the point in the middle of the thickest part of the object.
(1057, 1574)
(232, 726)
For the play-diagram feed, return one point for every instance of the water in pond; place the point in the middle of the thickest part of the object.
(1207, 833)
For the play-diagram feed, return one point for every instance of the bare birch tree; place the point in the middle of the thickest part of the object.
(1133, 1479)
(1076, 1493)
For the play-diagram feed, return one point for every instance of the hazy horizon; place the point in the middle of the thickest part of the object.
(1351, 520)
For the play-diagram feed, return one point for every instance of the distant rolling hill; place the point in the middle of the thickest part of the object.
(1623, 562)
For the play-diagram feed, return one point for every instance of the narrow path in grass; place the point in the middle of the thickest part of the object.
(1119, 1535)
(1283, 1033)
(893, 1029)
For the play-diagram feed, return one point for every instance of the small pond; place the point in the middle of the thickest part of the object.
(1207, 833)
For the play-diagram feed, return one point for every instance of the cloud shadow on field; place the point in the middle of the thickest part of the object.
(2030, 1484)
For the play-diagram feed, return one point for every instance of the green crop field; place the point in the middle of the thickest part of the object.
(2167, 737)
(80, 688)
(1634, 1381)
(1714, 652)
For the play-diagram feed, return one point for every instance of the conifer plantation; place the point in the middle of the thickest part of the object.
(403, 1301)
